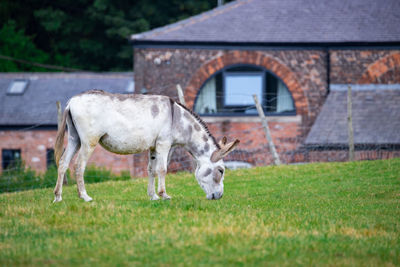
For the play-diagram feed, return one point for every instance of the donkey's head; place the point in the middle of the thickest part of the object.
(210, 171)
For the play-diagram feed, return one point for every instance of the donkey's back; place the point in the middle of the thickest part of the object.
(123, 124)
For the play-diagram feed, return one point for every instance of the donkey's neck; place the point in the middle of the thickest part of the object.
(191, 132)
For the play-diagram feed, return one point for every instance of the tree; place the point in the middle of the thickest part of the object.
(15, 43)
(92, 34)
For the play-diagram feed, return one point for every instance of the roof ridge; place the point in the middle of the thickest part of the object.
(281, 23)
(191, 20)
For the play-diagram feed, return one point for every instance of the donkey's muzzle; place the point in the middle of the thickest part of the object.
(215, 196)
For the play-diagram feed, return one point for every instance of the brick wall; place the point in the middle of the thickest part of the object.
(365, 66)
(34, 144)
(285, 136)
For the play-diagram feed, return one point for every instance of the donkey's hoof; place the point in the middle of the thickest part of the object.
(154, 197)
(165, 197)
(86, 198)
(57, 199)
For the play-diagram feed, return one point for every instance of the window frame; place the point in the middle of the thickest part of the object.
(50, 161)
(13, 151)
(242, 114)
(11, 85)
(244, 73)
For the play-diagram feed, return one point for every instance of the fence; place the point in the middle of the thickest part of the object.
(293, 139)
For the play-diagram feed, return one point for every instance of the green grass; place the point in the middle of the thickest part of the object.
(316, 214)
(20, 177)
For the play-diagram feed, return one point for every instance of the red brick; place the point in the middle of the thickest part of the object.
(34, 143)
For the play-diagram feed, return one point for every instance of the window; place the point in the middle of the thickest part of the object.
(50, 158)
(230, 92)
(10, 157)
(17, 87)
(237, 83)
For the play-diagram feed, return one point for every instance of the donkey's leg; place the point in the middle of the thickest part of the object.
(151, 168)
(72, 148)
(162, 150)
(83, 156)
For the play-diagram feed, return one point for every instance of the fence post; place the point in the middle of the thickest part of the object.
(271, 145)
(59, 114)
(59, 121)
(182, 100)
(180, 94)
(350, 124)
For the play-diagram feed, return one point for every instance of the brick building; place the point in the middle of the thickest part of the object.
(28, 115)
(296, 56)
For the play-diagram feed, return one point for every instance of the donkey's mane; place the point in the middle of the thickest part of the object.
(202, 123)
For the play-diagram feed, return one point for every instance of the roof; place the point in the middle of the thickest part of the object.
(286, 21)
(376, 117)
(37, 105)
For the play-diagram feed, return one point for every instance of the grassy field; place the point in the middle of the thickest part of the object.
(315, 214)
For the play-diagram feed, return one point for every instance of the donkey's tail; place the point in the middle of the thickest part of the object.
(58, 147)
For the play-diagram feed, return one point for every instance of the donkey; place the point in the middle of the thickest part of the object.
(129, 124)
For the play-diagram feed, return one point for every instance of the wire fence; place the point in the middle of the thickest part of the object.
(27, 157)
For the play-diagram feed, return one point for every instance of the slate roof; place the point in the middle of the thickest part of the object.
(37, 106)
(376, 118)
(286, 21)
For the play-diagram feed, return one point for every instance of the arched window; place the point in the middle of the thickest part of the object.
(230, 92)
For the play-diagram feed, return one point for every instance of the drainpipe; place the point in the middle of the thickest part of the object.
(220, 2)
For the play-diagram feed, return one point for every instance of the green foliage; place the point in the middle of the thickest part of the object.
(15, 43)
(330, 214)
(19, 178)
(90, 35)
(96, 175)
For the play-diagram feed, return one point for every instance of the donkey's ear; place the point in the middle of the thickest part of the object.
(226, 149)
(222, 142)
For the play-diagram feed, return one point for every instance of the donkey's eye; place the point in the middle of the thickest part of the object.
(221, 171)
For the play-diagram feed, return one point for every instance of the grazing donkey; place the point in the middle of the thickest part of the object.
(128, 124)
